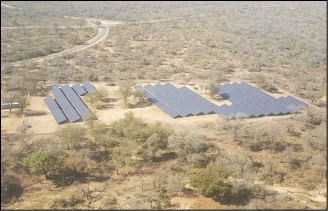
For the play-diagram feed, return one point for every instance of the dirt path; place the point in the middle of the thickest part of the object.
(305, 196)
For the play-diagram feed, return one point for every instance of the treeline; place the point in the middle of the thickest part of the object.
(134, 11)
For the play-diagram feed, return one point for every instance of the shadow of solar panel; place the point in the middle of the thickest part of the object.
(55, 110)
(89, 87)
(79, 89)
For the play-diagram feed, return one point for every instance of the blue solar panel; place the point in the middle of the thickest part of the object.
(79, 89)
(89, 87)
(183, 101)
(68, 109)
(76, 101)
(245, 99)
(254, 102)
(138, 87)
(55, 110)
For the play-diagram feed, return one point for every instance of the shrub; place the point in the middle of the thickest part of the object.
(212, 182)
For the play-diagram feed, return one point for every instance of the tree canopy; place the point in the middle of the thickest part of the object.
(43, 162)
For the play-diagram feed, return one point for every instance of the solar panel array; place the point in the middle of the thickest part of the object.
(79, 89)
(55, 110)
(246, 100)
(176, 102)
(69, 102)
(89, 87)
(66, 106)
(253, 102)
(76, 101)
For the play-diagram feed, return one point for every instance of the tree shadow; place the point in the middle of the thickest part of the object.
(35, 113)
(140, 104)
(109, 100)
(240, 198)
(14, 190)
(10, 188)
(100, 156)
(103, 107)
(40, 93)
(165, 157)
(67, 177)
(98, 178)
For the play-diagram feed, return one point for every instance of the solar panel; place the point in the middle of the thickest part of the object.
(183, 101)
(76, 101)
(66, 106)
(245, 99)
(138, 87)
(55, 110)
(89, 87)
(254, 102)
(79, 89)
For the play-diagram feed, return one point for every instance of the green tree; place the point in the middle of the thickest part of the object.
(90, 120)
(125, 91)
(23, 102)
(121, 155)
(158, 135)
(130, 127)
(213, 89)
(43, 162)
(93, 97)
(212, 181)
(184, 144)
(30, 82)
(72, 135)
(140, 95)
(103, 135)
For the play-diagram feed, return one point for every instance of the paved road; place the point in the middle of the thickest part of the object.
(102, 33)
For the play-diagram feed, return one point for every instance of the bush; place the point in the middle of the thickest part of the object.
(43, 162)
(212, 182)
(73, 199)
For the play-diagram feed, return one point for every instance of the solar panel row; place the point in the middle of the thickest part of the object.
(79, 89)
(76, 101)
(176, 102)
(253, 102)
(55, 110)
(89, 87)
(68, 109)
(246, 100)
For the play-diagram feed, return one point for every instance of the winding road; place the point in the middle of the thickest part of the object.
(102, 34)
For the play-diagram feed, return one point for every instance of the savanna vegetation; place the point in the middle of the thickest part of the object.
(131, 163)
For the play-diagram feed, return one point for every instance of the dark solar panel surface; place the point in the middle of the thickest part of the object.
(55, 110)
(254, 102)
(176, 102)
(89, 87)
(246, 100)
(67, 108)
(76, 101)
(79, 89)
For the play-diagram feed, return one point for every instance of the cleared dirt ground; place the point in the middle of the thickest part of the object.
(42, 127)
